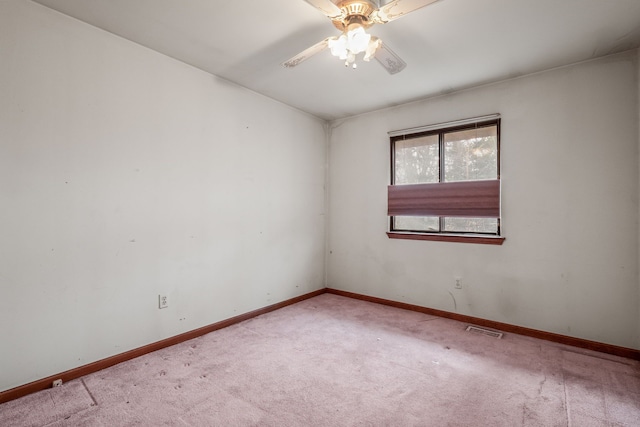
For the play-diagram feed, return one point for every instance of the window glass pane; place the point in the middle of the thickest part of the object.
(471, 225)
(471, 154)
(416, 223)
(416, 160)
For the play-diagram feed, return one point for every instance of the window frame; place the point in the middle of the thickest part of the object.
(441, 130)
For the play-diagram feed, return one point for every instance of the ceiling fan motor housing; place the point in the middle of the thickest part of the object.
(354, 12)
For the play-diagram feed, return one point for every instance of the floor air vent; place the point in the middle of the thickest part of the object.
(483, 331)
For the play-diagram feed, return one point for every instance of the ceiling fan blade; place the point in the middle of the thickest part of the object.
(327, 7)
(397, 9)
(389, 60)
(307, 53)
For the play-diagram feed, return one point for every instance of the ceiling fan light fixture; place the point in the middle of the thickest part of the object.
(352, 42)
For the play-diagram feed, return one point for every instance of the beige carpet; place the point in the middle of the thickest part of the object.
(334, 361)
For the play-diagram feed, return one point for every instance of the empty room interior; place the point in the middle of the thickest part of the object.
(316, 212)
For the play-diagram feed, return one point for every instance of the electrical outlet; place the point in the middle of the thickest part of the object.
(163, 301)
(458, 284)
(57, 383)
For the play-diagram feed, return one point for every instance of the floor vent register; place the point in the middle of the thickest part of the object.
(483, 331)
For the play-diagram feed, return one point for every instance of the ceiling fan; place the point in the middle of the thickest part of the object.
(353, 17)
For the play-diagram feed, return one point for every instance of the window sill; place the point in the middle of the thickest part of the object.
(457, 238)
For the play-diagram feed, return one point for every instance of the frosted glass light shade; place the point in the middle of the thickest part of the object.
(357, 40)
(338, 47)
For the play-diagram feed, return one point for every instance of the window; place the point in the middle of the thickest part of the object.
(445, 182)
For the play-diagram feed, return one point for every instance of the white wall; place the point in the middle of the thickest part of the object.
(569, 264)
(125, 174)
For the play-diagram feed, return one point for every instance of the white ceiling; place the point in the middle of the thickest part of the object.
(449, 45)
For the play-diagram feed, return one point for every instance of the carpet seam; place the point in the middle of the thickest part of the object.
(95, 402)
